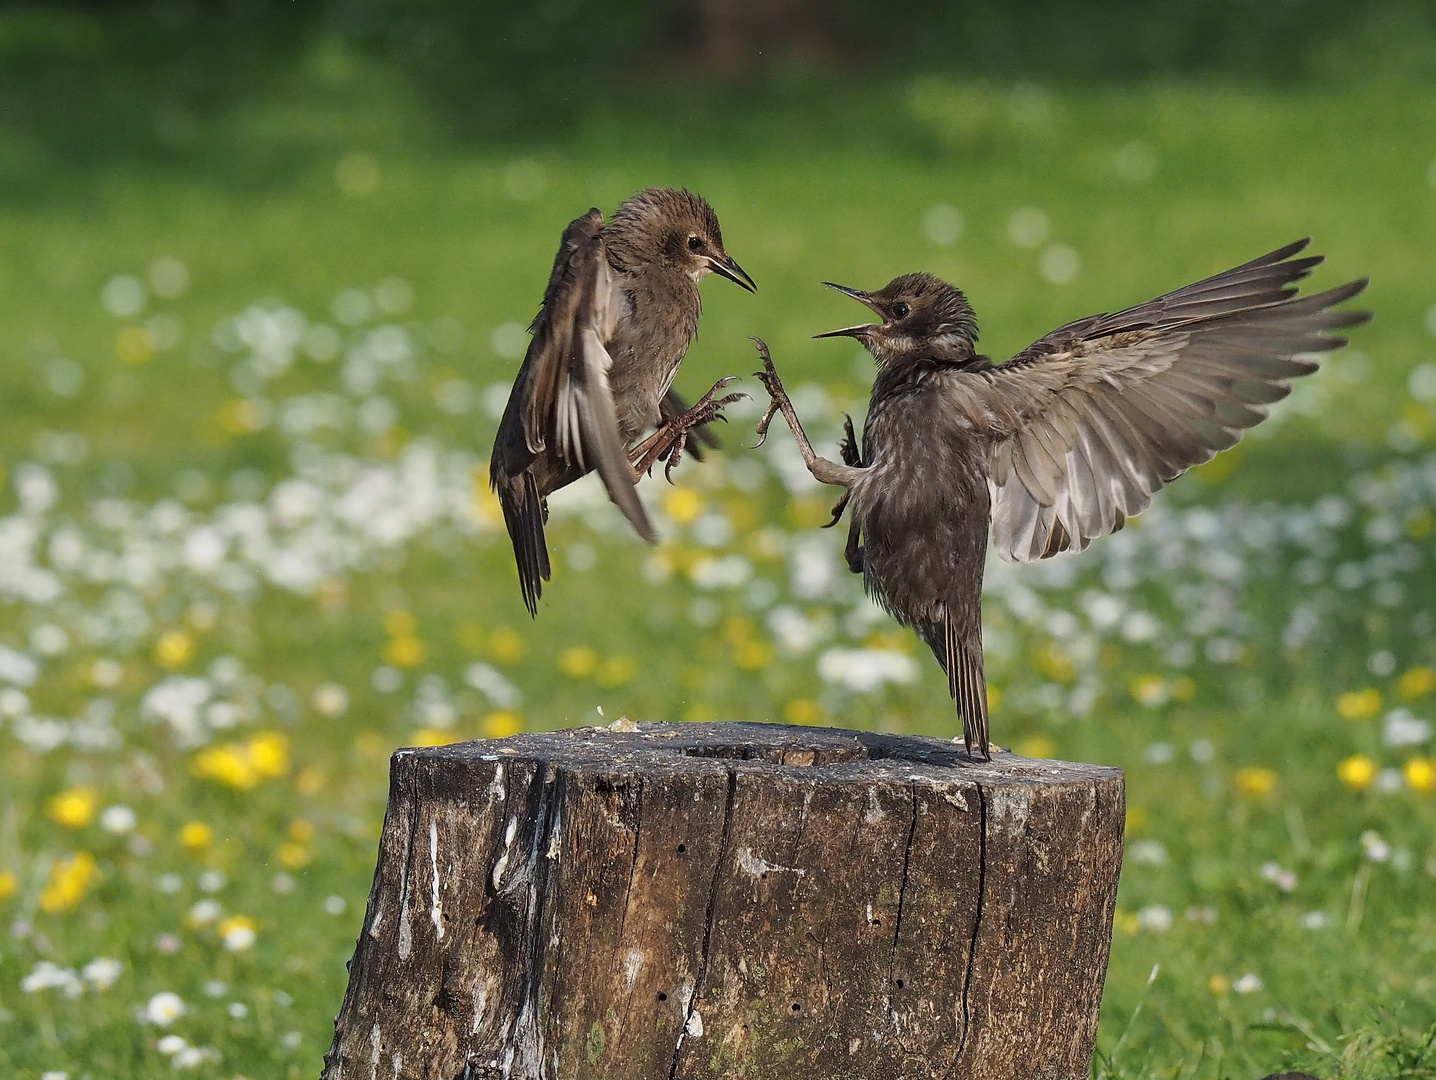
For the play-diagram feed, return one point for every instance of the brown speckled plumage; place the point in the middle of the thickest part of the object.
(619, 313)
(1054, 448)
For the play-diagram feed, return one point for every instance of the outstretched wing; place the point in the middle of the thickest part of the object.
(566, 400)
(1089, 421)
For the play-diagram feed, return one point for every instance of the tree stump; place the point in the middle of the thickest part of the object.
(733, 900)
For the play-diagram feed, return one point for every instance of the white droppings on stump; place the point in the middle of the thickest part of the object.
(436, 909)
(502, 862)
(755, 867)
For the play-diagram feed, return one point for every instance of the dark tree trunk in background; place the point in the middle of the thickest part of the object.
(736, 37)
(723, 900)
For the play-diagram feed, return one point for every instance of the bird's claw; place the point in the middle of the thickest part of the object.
(776, 394)
(668, 443)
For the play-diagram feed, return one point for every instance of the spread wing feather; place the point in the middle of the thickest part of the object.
(1091, 420)
(569, 401)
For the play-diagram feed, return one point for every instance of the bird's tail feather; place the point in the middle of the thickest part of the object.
(967, 684)
(523, 515)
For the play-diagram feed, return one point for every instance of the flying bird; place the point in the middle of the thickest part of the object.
(620, 311)
(1055, 447)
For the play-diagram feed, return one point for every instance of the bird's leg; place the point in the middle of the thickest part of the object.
(823, 470)
(848, 448)
(671, 437)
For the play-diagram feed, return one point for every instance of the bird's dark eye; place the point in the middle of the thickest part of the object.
(901, 311)
(695, 243)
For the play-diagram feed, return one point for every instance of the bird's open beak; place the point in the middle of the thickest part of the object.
(728, 267)
(852, 331)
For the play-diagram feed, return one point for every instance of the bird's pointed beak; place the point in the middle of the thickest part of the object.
(726, 266)
(862, 298)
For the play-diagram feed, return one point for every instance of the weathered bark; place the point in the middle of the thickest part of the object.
(733, 900)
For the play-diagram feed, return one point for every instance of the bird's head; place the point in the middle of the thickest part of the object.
(922, 316)
(676, 228)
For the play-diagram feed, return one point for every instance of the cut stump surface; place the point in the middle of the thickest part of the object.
(689, 901)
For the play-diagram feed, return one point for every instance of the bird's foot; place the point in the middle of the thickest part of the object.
(777, 396)
(671, 439)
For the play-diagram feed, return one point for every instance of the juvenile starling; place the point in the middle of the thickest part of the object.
(1057, 446)
(620, 310)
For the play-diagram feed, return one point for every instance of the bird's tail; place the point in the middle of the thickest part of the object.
(967, 683)
(524, 517)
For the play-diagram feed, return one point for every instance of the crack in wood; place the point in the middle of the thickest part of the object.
(627, 899)
(708, 916)
(902, 896)
(527, 1039)
(976, 921)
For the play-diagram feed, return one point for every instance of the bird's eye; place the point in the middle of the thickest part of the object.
(901, 311)
(695, 243)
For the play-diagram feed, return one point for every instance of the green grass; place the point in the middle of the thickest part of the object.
(813, 180)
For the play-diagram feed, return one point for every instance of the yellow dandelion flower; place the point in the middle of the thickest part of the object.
(507, 646)
(753, 655)
(432, 736)
(616, 670)
(683, 505)
(9, 884)
(174, 649)
(1219, 984)
(802, 711)
(1183, 688)
(1359, 704)
(134, 345)
(228, 764)
(1136, 818)
(196, 835)
(994, 698)
(1037, 746)
(404, 652)
(293, 856)
(1356, 772)
(70, 878)
(1420, 773)
(1150, 690)
(578, 661)
(1255, 781)
(1127, 922)
(502, 724)
(75, 808)
(269, 753)
(301, 830)
(237, 933)
(1416, 682)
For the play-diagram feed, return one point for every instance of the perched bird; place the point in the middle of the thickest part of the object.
(620, 310)
(1055, 447)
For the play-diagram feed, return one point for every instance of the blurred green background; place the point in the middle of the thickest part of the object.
(265, 270)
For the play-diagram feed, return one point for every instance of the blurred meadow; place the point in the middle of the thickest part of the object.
(264, 280)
